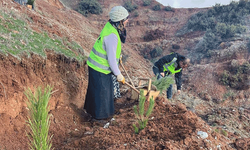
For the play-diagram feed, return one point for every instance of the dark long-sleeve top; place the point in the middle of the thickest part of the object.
(168, 58)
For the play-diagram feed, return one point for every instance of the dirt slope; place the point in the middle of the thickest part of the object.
(171, 125)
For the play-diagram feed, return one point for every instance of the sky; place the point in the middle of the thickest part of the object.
(193, 3)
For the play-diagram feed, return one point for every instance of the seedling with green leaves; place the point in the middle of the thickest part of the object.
(142, 119)
(163, 83)
(38, 119)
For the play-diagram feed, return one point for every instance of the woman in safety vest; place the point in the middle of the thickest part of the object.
(103, 63)
(171, 64)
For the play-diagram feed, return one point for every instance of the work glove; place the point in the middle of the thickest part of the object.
(121, 78)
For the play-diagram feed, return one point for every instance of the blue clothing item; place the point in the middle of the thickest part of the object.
(22, 2)
(158, 76)
(170, 91)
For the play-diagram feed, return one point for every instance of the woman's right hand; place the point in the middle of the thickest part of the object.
(162, 74)
(120, 78)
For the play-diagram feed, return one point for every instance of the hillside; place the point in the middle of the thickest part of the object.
(49, 45)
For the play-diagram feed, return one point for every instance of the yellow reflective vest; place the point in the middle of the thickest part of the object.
(169, 68)
(98, 59)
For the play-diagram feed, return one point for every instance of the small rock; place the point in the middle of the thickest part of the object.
(121, 110)
(87, 128)
(88, 133)
(152, 130)
(106, 125)
(202, 134)
(76, 143)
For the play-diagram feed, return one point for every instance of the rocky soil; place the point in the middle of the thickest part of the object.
(175, 124)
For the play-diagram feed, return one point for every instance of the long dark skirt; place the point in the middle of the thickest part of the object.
(99, 102)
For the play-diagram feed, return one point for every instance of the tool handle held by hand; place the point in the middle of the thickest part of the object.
(132, 87)
(126, 73)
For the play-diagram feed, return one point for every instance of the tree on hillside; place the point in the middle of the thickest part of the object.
(130, 6)
(87, 7)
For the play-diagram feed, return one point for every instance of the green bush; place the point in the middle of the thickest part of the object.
(224, 132)
(153, 35)
(248, 46)
(156, 52)
(146, 2)
(210, 40)
(129, 6)
(236, 77)
(136, 14)
(87, 7)
(168, 8)
(228, 31)
(224, 79)
(229, 95)
(224, 21)
(157, 7)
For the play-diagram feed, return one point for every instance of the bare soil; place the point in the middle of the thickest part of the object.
(172, 125)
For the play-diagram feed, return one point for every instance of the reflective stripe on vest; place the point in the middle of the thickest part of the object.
(98, 59)
(102, 55)
(170, 67)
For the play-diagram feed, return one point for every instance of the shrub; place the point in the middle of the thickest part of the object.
(38, 119)
(237, 77)
(156, 52)
(136, 14)
(248, 46)
(87, 7)
(168, 8)
(153, 35)
(224, 79)
(146, 2)
(210, 40)
(157, 7)
(228, 94)
(176, 46)
(129, 6)
(225, 31)
(142, 119)
(224, 132)
(225, 21)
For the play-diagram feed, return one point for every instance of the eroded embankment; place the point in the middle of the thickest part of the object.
(68, 77)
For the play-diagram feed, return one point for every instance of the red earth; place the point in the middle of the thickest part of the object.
(170, 126)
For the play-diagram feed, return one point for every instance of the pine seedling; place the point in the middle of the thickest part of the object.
(142, 119)
(38, 119)
(163, 83)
